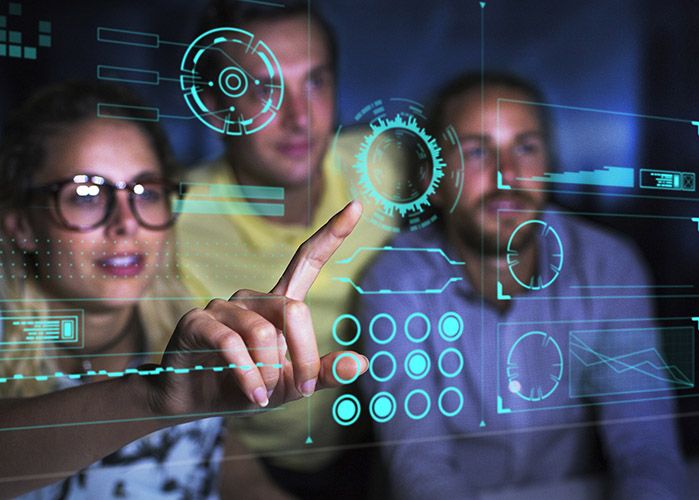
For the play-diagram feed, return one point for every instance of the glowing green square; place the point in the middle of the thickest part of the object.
(15, 51)
(3, 22)
(15, 37)
(30, 52)
(45, 26)
(44, 40)
(3, 36)
(3, 50)
(15, 9)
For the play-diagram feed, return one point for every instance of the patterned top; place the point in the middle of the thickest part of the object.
(179, 462)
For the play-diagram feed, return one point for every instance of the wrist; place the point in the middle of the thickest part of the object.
(146, 394)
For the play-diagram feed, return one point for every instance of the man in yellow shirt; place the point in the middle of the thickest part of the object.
(225, 245)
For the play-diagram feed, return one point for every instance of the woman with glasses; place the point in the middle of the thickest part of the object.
(92, 377)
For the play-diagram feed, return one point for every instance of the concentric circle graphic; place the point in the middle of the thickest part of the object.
(398, 134)
(417, 364)
(346, 410)
(398, 166)
(382, 407)
(450, 326)
(240, 74)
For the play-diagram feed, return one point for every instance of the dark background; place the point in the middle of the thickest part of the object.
(629, 56)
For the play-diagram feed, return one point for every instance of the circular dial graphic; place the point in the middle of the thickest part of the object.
(398, 167)
(548, 242)
(403, 140)
(231, 82)
(534, 366)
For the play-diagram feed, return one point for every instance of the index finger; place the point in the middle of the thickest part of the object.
(315, 252)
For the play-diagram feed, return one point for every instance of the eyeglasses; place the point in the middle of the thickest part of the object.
(86, 201)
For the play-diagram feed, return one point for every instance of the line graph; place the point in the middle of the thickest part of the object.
(623, 361)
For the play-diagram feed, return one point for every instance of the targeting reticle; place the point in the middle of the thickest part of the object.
(534, 366)
(396, 144)
(241, 75)
(549, 242)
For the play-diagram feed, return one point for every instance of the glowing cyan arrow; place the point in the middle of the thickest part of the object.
(696, 124)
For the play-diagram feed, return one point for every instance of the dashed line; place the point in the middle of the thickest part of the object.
(134, 371)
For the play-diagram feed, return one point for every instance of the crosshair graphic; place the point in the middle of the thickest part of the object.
(399, 166)
(226, 66)
(549, 242)
(534, 366)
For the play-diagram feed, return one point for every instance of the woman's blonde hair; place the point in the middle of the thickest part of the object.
(22, 154)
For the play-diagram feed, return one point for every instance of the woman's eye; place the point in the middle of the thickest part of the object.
(78, 199)
(150, 195)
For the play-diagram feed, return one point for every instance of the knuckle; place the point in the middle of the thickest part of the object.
(309, 365)
(296, 309)
(249, 376)
(264, 332)
(190, 317)
(215, 304)
(242, 293)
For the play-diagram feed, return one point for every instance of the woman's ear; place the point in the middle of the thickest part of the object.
(16, 227)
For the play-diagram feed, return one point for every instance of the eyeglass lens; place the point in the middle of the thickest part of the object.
(87, 205)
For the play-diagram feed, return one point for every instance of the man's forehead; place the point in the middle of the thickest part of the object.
(291, 36)
(298, 45)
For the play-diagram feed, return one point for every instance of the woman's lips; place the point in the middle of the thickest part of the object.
(122, 265)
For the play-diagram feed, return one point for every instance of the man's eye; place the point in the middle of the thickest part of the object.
(474, 153)
(528, 148)
(316, 82)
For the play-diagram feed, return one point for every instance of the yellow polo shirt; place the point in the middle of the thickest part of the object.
(221, 253)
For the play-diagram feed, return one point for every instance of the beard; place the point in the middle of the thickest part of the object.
(471, 227)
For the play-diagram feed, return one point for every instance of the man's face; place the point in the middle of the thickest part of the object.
(290, 148)
(519, 138)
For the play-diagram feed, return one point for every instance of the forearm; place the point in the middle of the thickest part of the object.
(50, 437)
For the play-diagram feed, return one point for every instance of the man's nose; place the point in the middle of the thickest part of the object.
(509, 166)
(295, 109)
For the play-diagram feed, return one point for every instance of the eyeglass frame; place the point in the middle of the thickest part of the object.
(54, 188)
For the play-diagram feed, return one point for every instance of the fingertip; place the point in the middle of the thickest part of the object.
(356, 207)
(364, 364)
(259, 396)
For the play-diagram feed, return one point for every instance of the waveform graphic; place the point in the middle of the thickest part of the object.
(643, 369)
(605, 176)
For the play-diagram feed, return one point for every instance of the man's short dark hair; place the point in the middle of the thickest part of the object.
(472, 81)
(237, 13)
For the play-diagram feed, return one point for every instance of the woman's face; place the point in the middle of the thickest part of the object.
(116, 261)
